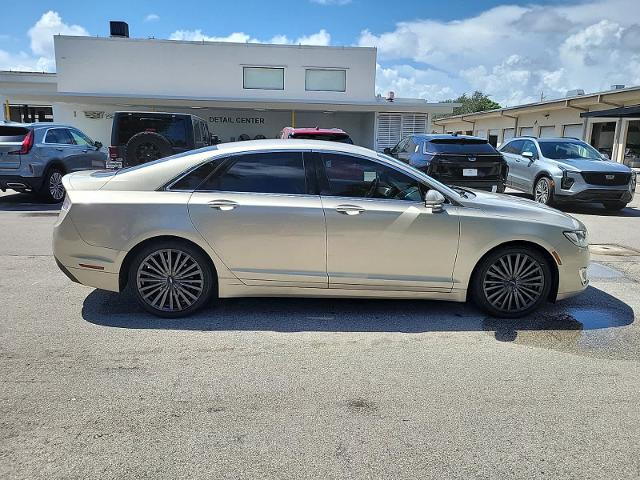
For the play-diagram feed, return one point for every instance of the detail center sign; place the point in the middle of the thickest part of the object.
(244, 120)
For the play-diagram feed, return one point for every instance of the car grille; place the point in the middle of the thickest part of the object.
(604, 178)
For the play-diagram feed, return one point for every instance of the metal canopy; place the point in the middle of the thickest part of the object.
(621, 112)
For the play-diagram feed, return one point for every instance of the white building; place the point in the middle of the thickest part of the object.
(609, 120)
(240, 89)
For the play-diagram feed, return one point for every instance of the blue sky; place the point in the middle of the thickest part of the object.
(515, 51)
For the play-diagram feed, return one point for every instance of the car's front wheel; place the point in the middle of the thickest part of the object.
(52, 190)
(512, 282)
(171, 279)
(543, 191)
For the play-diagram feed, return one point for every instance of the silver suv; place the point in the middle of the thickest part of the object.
(567, 170)
(35, 156)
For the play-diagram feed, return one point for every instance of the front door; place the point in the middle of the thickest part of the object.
(380, 235)
(258, 217)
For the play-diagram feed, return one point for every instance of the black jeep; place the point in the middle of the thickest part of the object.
(140, 137)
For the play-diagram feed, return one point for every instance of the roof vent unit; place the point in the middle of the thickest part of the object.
(575, 93)
(391, 96)
(617, 86)
(119, 29)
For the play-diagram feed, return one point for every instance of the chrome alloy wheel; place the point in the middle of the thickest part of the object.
(542, 191)
(56, 189)
(513, 282)
(170, 280)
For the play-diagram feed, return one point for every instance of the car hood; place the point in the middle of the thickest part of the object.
(522, 208)
(575, 164)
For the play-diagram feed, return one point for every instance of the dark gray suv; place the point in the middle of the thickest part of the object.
(35, 156)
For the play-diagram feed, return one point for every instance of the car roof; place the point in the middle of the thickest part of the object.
(447, 136)
(546, 139)
(316, 131)
(175, 114)
(37, 125)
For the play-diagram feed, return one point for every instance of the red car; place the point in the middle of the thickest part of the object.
(330, 134)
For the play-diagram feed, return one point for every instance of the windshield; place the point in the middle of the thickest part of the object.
(569, 149)
(423, 176)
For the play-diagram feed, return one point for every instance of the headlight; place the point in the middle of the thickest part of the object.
(578, 238)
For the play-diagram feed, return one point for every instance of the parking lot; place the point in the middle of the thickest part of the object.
(93, 387)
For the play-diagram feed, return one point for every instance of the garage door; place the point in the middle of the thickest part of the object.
(548, 131)
(526, 131)
(508, 134)
(572, 130)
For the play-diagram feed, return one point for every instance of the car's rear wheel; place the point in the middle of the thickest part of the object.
(543, 191)
(512, 282)
(52, 190)
(171, 279)
(614, 206)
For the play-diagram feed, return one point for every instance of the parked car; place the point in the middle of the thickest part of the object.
(35, 156)
(454, 160)
(567, 170)
(328, 134)
(140, 137)
(310, 219)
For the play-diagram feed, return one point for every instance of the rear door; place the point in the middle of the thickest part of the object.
(261, 216)
(58, 144)
(11, 138)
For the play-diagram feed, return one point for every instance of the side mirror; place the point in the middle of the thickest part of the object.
(98, 145)
(434, 200)
(528, 155)
(387, 151)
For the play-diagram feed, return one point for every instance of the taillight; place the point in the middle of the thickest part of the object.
(27, 143)
(113, 152)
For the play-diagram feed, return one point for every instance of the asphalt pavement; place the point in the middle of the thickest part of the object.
(93, 387)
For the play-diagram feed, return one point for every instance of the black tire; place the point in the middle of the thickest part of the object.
(544, 184)
(488, 290)
(149, 280)
(146, 147)
(614, 206)
(500, 188)
(51, 190)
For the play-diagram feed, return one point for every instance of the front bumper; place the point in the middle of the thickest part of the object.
(572, 273)
(596, 195)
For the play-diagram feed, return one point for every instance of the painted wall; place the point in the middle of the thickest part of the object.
(198, 69)
(228, 124)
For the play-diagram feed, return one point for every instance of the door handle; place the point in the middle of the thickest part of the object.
(224, 205)
(85, 151)
(349, 209)
(60, 149)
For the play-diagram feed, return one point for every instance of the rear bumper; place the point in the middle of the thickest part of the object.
(489, 185)
(19, 183)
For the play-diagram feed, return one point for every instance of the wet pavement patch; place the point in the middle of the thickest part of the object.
(613, 250)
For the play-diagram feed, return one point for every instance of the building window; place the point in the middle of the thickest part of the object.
(325, 80)
(30, 113)
(263, 78)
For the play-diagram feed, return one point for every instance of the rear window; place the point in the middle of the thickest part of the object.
(330, 137)
(12, 134)
(173, 128)
(460, 146)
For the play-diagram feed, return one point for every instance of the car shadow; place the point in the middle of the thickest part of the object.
(24, 202)
(586, 208)
(594, 309)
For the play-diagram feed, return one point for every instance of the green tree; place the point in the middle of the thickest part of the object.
(476, 102)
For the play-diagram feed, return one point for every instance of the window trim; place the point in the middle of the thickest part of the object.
(324, 69)
(244, 83)
(81, 134)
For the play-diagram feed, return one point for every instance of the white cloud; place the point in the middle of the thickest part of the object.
(331, 2)
(319, 38)
(514, 53)
(41, 57)
(152, 17)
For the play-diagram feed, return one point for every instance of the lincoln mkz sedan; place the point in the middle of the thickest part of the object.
(312, 219)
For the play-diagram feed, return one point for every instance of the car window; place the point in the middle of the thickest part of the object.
(193, 179)
(529, 146)
(173, 128)
(80, 138)
(272, 172)
(399, 148)
(513, 147)
(461, 146)
(569, 149)
(348, 176)
(60, 136)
